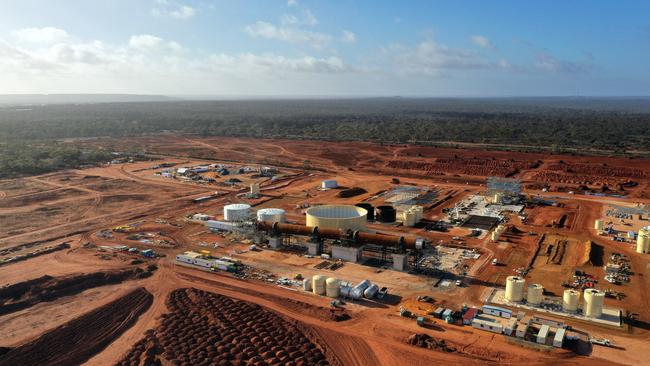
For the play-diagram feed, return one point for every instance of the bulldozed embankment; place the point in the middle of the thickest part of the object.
(80, 339)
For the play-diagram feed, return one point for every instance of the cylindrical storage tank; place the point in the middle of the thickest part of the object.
(419, 212)
(271, 215)
(356, 293)
(255, 188)
(599, 225)
(332, 287)
(495, 236)
(570, 300)
(386, 213)
(363, 285)
(501, 228)
(329, 183)
(345, 291)
(337, 217)
(409, 219)
(535, 294)
(514, 288)
(593, 303)
(306, 284)
(643, 240)
(371, 292)
(318, 285)
(236, 212)
(368, 207)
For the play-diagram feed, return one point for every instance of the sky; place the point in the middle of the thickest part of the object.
(344, 48)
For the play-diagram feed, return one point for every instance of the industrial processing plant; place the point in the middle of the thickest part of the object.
(296, 262)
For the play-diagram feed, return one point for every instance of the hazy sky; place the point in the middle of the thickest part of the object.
(317, 48)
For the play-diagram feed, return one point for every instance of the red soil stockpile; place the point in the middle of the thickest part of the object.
(78, 340)
(46, 288)
(465, 166)
(210, 329)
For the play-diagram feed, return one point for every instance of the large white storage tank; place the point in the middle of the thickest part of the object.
(271, 215)
(535, 294)
(570, 300)
(337, 217)
(236, 212)
(329, 183)
(332, 287)
(514, 288)
(643, 240)
(593, 303)
(318, 285)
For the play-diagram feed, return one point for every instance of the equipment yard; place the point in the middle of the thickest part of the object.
(237, 251)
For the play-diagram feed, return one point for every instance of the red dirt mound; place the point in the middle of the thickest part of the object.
(78, 340)
(204, 328)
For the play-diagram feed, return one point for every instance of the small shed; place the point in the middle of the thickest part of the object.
(469, 315)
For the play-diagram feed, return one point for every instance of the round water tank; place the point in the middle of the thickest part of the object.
(535, 294)
(386, 213)
(514, 288)
(570, 300)
(643, 240)
(329, 183)
(337, 217)
(599, 225)
(495, 236)
(593, 303)
(332, 287)
(368, 207)
(371, 292)
(236, 212)
(271, 215)
(306, 284)
(318, 285)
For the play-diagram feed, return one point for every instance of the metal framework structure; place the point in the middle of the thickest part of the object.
(505, 185)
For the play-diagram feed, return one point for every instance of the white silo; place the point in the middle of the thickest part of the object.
(332, 287)
(318, 285)
(236, 212)
(514, 288)
(495, 236)
(643, 240)
(535, 294)
(593, 303)
(271, 215)
(570, 300)
(306, 284)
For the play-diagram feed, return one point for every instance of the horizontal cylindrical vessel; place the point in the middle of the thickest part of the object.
(371, 292)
